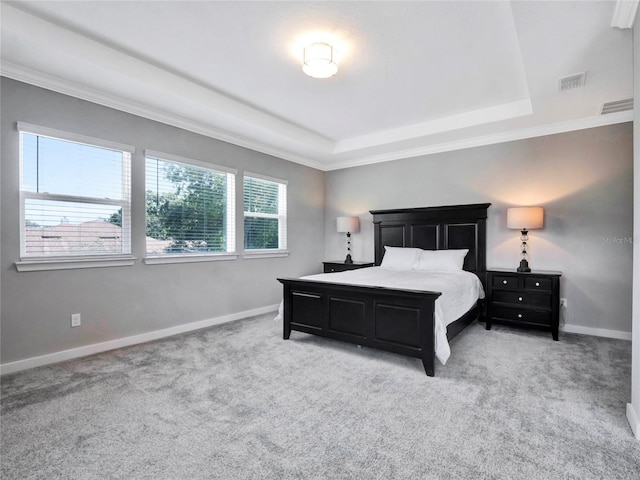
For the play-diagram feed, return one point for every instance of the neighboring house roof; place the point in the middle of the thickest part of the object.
(156, 247)
(96, 236)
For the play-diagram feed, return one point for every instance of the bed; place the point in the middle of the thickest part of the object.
(393, 319)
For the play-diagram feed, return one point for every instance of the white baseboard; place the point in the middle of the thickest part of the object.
(634, 420)
(70, 354)
(596, 332)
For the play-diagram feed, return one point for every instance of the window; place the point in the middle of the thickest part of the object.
(265, 213)
(190, 207)
(74, 195)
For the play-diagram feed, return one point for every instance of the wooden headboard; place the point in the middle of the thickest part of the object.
(435, 228)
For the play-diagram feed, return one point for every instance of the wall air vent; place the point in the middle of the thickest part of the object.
(617, 106)
(572, 81)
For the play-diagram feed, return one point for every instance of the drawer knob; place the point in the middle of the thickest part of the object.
(519, 299)
(504, 282)
(537, 284)
(519, 315)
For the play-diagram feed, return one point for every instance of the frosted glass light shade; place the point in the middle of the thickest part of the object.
(320, 60)
(348, 224)
(525, 218)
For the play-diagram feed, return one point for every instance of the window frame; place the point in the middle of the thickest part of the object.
(231, 253)
(80, 260)
(281, 216)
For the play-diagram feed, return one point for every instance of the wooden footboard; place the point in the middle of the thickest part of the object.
(399, 321)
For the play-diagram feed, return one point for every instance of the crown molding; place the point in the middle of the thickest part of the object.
(66, 87)
(458, 121)
(480, 141)
(624, 13)
(49, 82)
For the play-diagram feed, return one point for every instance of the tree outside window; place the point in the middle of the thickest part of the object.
(189, 209)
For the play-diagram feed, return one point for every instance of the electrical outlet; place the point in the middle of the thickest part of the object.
(563, 303)
(75, 320)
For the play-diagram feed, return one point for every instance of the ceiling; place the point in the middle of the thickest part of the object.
(414, 77)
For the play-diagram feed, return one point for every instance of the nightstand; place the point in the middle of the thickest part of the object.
(340, 266)
(530, 300)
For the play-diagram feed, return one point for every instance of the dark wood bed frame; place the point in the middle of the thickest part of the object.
(395, 320)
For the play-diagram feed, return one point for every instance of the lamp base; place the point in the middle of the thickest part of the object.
(348, 259)
(524, 266)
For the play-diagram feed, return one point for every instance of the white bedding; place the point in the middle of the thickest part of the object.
(460, 291)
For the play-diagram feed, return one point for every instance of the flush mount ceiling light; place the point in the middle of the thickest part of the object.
(319, 60)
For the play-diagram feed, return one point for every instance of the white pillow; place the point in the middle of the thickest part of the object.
(398, 258)
(441, 260)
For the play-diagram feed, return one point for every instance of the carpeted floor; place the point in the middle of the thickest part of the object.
(237, 402)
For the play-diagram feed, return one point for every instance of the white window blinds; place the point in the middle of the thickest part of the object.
(190, 206)
(74, 194)
(265, 213)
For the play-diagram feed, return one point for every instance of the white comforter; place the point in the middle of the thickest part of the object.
(460, 290)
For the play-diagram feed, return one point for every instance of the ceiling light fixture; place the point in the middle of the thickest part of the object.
(319, 60)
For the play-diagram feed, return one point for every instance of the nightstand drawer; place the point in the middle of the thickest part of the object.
(330, 267)
(504, 282)
(335, 268)
(522, 315)
(538, 283)
(523, 298)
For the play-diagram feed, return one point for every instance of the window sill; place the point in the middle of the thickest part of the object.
(40, 264)
(249, 255)
(216, 257)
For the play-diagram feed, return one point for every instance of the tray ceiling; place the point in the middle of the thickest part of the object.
(414, 77)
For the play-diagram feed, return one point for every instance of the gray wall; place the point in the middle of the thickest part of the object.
(584, 180)
(124, 301)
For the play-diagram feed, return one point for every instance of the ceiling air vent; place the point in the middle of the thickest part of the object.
(617, 106)
(572, 81)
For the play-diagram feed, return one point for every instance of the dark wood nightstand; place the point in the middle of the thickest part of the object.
(530, 300)
(340, 266)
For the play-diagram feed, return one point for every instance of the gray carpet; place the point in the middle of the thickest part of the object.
(236, 401)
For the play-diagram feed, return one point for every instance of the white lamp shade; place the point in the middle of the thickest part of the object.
(525, 218)
(320, 61)
(348, 224)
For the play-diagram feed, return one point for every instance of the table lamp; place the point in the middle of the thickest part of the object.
(524, 219)
(348, 225)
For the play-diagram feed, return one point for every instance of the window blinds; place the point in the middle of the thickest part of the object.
(190, 208)
(75, 197)
(265, 213)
